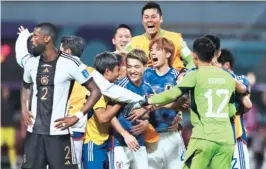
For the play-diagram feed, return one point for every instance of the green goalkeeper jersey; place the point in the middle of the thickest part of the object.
(212, 96)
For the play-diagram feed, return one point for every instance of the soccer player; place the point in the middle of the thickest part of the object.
(212, 93)
(241, 156)
(125, 158)
(169, 151)
(241, 88)
(152, 19)
(48, 140)
(122, 36)
(75, 45)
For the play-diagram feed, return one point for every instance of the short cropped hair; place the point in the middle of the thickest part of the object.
(105, 60)
(166, 45)
(215, 39)
(227, 56)
(49, 29)
(204, 48)
(152, 5)
(122, 26)
(75, 43)
(139, 55)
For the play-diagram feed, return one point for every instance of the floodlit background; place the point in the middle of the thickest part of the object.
(240, 25)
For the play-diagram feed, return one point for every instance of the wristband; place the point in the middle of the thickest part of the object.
(79, 114)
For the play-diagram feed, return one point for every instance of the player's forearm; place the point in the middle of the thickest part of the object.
(166, 96)
(114, 92)
(21, 47)
(241, 88)
(25, 97)
(246, 103)
(106, 115)
(118, 127)
(190, 62)
(95, 95)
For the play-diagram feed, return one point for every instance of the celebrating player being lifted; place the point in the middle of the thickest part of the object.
(152, 18)
(212, 97)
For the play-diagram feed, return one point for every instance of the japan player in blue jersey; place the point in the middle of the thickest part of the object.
(170, 149)
(243, 105)
(122, 156)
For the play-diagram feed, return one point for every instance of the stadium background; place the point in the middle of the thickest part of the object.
(240, 25)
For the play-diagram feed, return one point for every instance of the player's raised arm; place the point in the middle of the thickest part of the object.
(21, 49)
(186, 54)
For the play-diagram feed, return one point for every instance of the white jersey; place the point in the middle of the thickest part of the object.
(52, 85)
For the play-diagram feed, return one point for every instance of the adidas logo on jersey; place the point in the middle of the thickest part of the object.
(67, 162)
(46, 70)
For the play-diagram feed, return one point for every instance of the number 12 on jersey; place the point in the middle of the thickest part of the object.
(225, 98)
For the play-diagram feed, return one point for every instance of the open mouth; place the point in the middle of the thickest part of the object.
(155, 59)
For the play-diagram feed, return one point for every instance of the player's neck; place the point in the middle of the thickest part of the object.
(153, 36)
(203, 64)
(162, 70)
(50, 54)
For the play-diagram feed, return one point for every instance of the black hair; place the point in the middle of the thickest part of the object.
(152, 5)
(215, 39)
(122, 26)
(227, 56)
(75, 43)
(105, 60)
(49, 29)
(204, 48)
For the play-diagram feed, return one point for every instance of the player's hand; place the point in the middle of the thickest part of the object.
(135, 114)
(24, 31)
(140, 127)
(131, 142)
(66, 122)
(27, 118)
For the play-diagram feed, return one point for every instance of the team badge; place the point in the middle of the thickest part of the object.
(44, 80)
(168, 86)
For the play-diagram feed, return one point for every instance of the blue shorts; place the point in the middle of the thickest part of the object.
(95, 156)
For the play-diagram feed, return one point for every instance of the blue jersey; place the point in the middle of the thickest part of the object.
(162, 118)
(143, 90)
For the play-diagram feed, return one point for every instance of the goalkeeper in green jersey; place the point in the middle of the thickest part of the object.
(212, 96)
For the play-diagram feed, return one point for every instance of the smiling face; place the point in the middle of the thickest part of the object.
(38, 43)
(135, 70)
(121, 38)
(151, 21)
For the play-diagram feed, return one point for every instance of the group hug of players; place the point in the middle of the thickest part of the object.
(136, 123)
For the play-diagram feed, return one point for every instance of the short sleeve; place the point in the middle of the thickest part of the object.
(102, 103)
(26, 76)
(78, 71)
(189, 80)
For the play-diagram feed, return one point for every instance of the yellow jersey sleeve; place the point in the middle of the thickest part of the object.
(102, 103)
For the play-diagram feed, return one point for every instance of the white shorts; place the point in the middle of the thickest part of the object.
(241, 156)
(167, 153)
(78, 144)
(123, 158)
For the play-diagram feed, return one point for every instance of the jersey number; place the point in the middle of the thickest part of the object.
(45, 93)
(218, 113)
(67, 150)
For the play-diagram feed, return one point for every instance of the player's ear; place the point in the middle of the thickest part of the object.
(113, 41)
(219, 53)
(195, 56)
(47, 39)
(161, 19)
(168, 55)
(227, 65)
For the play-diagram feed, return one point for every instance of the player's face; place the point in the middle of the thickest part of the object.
(113, 75)
(37, 40)
(135, 70)
(159, 56)
(151, 21)
(121, 38)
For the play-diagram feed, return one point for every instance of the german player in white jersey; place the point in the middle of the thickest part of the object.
(48, 140)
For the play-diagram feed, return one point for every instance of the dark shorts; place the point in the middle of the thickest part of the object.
(52, 150)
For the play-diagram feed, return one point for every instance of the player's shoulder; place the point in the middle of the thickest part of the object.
(138, 38)
(172, 35)
(243, 79)
(174, 72)
(191, 71)
(90, 69)
(31, 62)
(122, 82)
(70, 59)
(149, 71)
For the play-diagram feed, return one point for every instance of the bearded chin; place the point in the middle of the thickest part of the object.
(38, 50)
